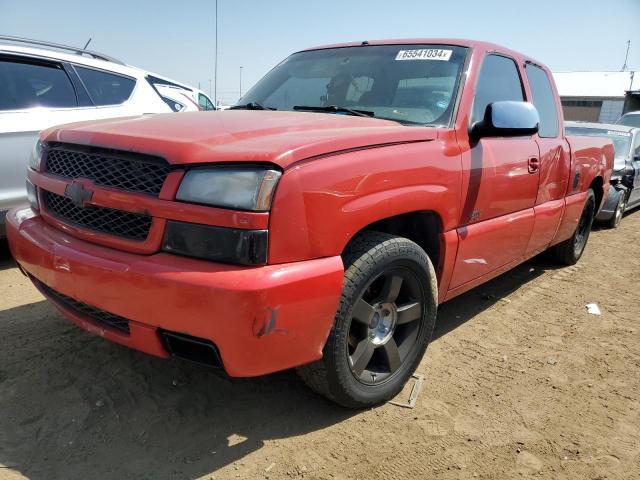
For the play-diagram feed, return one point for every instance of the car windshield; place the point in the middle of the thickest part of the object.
(621, 140)
(630, 120)
(412, 84)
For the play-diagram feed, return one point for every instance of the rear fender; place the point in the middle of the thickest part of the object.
(591, 157)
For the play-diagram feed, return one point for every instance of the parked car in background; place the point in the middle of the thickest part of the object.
(204, 102)
(44, 84)
(631, 119)
(181, 99)
(319, 223)
(625, 179)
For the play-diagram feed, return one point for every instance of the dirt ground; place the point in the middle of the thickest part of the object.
(520, 381)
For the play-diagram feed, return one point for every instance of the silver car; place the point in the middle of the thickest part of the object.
(625, 180)
(43, 85)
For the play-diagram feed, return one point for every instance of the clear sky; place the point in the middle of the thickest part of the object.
(176, 38)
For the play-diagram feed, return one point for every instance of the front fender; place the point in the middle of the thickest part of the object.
(320, 205)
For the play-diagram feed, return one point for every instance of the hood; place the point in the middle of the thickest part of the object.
(282, 138)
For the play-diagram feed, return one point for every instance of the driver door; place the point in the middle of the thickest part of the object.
(501, 183)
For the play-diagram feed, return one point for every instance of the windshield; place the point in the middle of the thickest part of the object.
(630, 120)
(621, 141)
(413, 84)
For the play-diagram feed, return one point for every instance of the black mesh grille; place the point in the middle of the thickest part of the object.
(136, 175)
(132, 226)
(84, 310)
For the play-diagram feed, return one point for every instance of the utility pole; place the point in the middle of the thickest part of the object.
(626, 57)
(215, 63)
(240, 82)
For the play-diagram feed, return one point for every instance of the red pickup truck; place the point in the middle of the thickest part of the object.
(318, 223)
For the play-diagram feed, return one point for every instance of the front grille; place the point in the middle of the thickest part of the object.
(84, 310)
(142, 173)
(132, 226)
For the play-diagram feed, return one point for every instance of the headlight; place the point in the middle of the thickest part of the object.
(32, 195)
(244, 188)
(36, 156)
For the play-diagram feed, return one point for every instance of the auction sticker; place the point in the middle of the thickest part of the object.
(424, 54)
(618, 134)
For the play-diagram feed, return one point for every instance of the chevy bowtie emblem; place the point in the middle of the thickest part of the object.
(78, 194)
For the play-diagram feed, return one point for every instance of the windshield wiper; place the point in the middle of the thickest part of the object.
(251, 106)
(336, 109)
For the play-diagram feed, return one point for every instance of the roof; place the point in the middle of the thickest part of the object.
(57, 47)
(601, 126)
(48, 53)
(596, 84)
(460, 42)
(99, 63)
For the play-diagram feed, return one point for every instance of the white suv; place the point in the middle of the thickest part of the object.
(44, 84)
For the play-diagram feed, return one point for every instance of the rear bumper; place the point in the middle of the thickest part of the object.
(261, 319)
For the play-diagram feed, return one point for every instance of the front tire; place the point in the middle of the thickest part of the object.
(570, 251)
(614, 221)
(383, 325)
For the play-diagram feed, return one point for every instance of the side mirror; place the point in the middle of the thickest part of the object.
(507, 119)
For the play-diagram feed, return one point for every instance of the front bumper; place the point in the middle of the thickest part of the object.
(3, 229)
(261, 319)
(610, 204)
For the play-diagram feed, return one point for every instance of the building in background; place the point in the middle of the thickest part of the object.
(598, 96)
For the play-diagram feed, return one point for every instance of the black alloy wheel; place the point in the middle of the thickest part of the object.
(385, 325)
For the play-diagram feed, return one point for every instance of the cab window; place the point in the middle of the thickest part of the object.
(544, 100)
(498, 81)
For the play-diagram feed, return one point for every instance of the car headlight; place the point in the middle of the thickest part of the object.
(36, 156)
(237, 187)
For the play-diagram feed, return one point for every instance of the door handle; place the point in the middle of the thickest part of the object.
(534, 164)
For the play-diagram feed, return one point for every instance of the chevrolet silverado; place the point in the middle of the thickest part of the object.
(318, 223)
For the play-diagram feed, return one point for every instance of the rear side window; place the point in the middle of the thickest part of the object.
(543, 100)
(106, 88)
(498, 81)
(28, 85)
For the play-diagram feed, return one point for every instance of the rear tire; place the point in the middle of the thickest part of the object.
(570, 251)
(383, 325)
